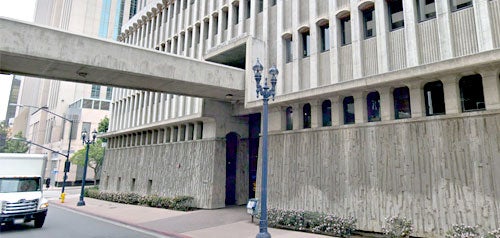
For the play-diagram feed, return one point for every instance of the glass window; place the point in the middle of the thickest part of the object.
(345, 30)
(226, 19)
(273, 2)
(86, 127)
(249, 7)
(109, 93)
(288, 49)
(369, 22)
(133, 8)
(236, 13)
(373, 106)
(460, 4)
(471, 93)
(326, 109)
(306, 110)
(434, 98)
(289, 118)
(261, 5)
(426, 9)
(402, 103)
(96, 91)
(306, 44)
(348, 104)
(13, 185)
(104, 105)
(87, 103)
(325, 37)
(396, 17)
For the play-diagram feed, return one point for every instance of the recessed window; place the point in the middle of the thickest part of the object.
(471, 93)
(273, 2)
(460, 4)
(325, 37)
(373, 106)
(215, 23)
(226, 19)
(402, 103)
(434, 98)
(426, 9)
(306, 113)
(261, 5)
(109, 93)
(205, 25)
(348, 105)
(326, 111)
(306, 44)
(249, 7)
(236, 13)
(396, 17)
(96, 91)
(289, 118)
(345, 30)
(369, 22)
(288, 49)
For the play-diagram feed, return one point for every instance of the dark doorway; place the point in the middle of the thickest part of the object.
(231, 156)
(253, 152)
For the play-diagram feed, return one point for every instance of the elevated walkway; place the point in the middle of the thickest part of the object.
(34, 50)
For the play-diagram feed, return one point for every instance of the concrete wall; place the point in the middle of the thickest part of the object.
(193, 168)
(437, 171)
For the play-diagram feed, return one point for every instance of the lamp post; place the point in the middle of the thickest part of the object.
(266, 93)
(86, 141)
(66, 163)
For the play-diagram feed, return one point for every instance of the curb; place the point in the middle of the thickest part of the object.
(165, 233)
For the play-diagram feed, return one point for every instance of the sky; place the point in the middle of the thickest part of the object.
(21, 10)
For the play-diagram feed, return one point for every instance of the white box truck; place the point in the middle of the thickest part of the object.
(21, 183)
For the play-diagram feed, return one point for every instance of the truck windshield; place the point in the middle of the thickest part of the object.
(12, 185)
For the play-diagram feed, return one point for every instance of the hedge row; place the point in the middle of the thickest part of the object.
(180, 203)
(315, 222)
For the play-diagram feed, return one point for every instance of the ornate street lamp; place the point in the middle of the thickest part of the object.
(86, 141)
(266, 93)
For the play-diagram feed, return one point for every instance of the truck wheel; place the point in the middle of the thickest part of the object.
(39, 220)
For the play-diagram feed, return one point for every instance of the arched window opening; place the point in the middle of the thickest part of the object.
(306, 110)
(471, 93)
(289, 118)
(373, 106)
(434, 98)
(326, 109)
(348, 110)
(402, 107)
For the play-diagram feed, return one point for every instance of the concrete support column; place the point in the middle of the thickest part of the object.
(297, 116)
(185, 39)
(161, 30)
(265, 18)
(194, 45)
(357, 66)
(168, 23)
(382, 25)
(155, 105)
(451, 94)
(253, 18)
(220, 21)
(128, 111)
(174, 19)
(210, 32)
(411, 43)
(295, 46)
(482, 17)
(175, 106)
(491, 88)
(316, 114)
(242, 16)
(334, 43)
(386, 103)
(201, 47)
(444, 28)
(417, 99)
(143, 108)
(360, 114)
(173, 136)
(337, 111)
(168, 106)
(196, 132)
(230, 23)
(161, 113)
(314, 58)
(280, 62)
(276, 118)
(135, 111)
(150, 107)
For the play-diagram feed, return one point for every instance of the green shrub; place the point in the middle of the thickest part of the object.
(463, 231)
(182, 203)
(397, 227)
(493, 234)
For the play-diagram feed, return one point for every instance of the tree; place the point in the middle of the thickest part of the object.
(15, 146)
(96, 157)
(103, 125)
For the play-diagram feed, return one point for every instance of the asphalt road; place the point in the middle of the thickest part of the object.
(68, 224)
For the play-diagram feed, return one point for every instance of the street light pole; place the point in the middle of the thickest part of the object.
(86, 141)
(266, 93)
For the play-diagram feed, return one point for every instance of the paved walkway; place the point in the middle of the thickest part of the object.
(231, 222)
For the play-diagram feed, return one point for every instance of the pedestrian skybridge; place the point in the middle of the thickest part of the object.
(34, 50)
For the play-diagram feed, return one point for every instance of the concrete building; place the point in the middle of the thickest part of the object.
(85, 104)
(383, 108)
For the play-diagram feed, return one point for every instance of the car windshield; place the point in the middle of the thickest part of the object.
(12, 185)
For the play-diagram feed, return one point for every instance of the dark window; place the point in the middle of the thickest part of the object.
(288, 49)
(104, 105)
(426, 9)
(261, 5)
(373, 106)
(306, 110)
(402, 103)
(273, 2)
(396, 17)
(236, 13)
(326, 111)
(226, 19)
(109, 93)
(87, 103)
(325, 37)
(289, 118)
(345, 30)
(205, 23)
(249, 6)
(460, 4)
(434, 98)
(216, 25)
(306, 44)
(133, 8)
(369, 22)
(471, 93)
(348, 104)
